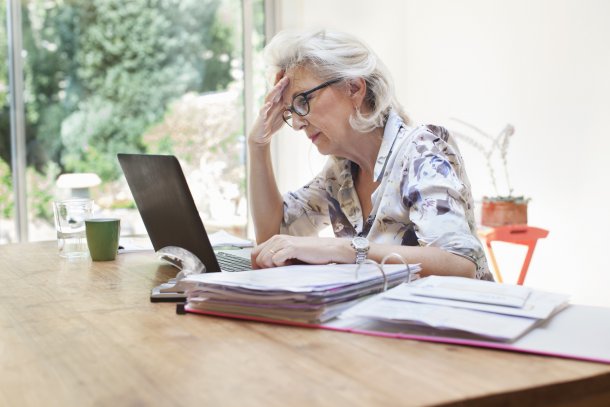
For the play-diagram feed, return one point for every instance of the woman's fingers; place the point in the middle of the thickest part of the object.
(275, 94)
(279, 89)
(279, 75)
(269, 119)
(265, 110)
(271, 257)
(270, 115)
(272, 253)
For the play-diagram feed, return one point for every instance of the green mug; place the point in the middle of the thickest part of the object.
(103, 238)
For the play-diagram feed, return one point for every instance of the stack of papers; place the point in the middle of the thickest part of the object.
(497, 311)
(304, 293)
(220, 239)
(223, 238)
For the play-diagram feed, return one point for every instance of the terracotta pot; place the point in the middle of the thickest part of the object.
(499, 213)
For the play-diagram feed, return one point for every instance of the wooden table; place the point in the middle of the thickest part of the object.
(83, 333)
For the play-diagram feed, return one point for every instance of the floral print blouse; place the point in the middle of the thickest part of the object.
(423, 199)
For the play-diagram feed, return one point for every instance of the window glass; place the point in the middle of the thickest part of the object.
(109, 76)
(7, 222)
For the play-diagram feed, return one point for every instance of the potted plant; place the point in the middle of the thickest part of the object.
(500, 209)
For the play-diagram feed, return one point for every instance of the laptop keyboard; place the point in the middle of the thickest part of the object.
(231, 262)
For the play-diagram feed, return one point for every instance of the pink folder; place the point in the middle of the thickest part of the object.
(578, 332)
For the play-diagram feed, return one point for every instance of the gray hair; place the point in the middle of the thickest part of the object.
(336, 55)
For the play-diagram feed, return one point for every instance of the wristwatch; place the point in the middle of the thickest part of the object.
(361, 245)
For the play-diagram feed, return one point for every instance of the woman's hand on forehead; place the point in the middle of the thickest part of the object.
(278, 76)
(270, 118)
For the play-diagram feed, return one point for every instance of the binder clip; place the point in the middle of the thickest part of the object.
(410, 273)
(380, 267)
(373, 262)
(187, 263)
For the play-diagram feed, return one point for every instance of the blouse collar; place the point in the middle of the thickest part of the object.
(391, 133)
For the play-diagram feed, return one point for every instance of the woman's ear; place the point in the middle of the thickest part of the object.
(357, 91)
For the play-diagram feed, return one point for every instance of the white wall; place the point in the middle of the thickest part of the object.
(543, 66)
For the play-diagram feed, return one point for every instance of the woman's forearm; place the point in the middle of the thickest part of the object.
(282, 249)
(434, 261)
(265, 199)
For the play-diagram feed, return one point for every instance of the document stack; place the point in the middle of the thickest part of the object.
(495, 311)
(306, 294)
(451, 310)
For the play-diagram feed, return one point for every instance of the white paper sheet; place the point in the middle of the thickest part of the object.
(503, 327)
(471, 290)
(539, 304)
(218, 239)
(135, 244)
(223, 238)
(298, 278)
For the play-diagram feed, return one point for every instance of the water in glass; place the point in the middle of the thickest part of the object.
(70, 218)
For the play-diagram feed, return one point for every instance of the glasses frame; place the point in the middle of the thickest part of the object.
(290, 110)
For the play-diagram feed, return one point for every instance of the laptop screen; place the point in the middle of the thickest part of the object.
(166, 205)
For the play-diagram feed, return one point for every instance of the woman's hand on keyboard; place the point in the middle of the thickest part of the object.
(283, 250)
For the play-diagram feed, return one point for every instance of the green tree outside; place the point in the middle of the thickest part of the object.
(99, 73)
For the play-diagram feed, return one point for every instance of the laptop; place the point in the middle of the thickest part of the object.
(168, 210)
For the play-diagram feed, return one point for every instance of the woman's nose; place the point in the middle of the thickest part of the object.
(298, 122)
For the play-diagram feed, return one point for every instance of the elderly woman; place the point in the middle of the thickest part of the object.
(386, 188)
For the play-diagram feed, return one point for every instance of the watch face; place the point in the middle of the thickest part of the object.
(360, 243)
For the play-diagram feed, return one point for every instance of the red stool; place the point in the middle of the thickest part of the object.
(518, 234)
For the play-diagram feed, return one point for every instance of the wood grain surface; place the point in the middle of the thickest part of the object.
(83, 333)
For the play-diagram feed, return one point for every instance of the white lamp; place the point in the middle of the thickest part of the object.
(78, 183)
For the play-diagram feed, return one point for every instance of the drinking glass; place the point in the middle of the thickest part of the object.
(70, 215)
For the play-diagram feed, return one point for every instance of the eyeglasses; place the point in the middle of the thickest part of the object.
(300, 102)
